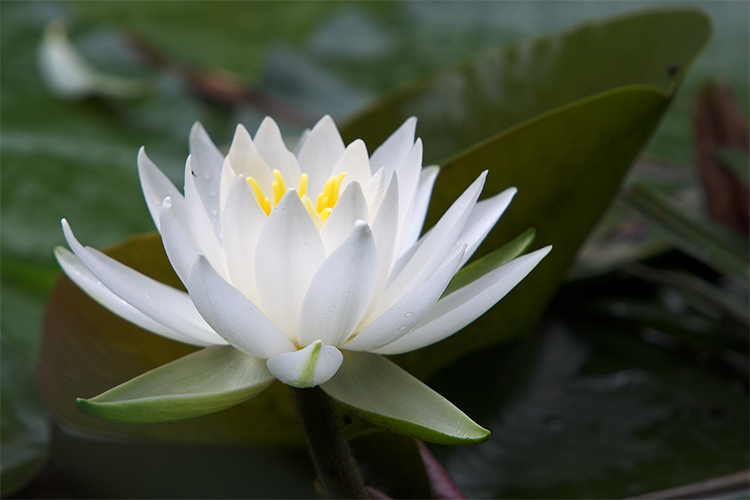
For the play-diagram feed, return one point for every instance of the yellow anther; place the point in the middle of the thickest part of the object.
(279, 187)
(320, 204)
(330, 194)
(264, 202)
(307, 202)
(325, 201)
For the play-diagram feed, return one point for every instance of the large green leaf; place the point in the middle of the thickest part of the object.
(523, 113)
(462, 107)
(567, 166)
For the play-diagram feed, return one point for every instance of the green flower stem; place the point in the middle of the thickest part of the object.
(334, 463)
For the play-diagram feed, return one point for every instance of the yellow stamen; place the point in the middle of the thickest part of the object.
(264, 202)
(319, 212)
(330, 194)
(307, 202)
(279, 188)
(320, 204)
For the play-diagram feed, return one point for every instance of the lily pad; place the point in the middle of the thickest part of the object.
(564, 137)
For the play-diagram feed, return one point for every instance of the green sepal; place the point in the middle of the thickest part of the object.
(204, 382)
(384, 394)
(491, 261)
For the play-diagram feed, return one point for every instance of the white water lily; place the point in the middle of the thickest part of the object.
(306, 267)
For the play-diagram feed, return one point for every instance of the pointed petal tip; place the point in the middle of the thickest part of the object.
(361, 225)
(143, 161)
(197, 128)
(69, 236)
(382, 393)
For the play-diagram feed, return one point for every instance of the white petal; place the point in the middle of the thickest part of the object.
(400, 318)
(375, 190)
(156, 186)
(435, 246)
(164, 304)
(86, 281)
(381, 392)
(351, 207)
(246, 160)
(206, 164)
(392, 152)
(482, 219)
(270, 145)
(385, 230)
(181, 249)
(320, 152)
(408, 178)
(228, 175)
(288, 254)
(466, 304)
(340, 291)
(355, 162)
(199, 227)
(419, 210)
(311, 366)
(242, 221)
(234, 316)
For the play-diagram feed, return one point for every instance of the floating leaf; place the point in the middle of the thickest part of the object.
(526, 113)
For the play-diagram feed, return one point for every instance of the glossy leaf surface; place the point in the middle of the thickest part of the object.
(565, 152)
(461, 107)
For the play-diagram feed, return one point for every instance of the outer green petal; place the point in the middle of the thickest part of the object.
(206, 381)
(379, 391)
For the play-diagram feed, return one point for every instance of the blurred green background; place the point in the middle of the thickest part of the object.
(629, 384)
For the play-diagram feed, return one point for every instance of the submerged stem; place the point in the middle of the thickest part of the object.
(334, 463)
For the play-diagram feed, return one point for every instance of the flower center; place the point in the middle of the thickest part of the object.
(319, 211)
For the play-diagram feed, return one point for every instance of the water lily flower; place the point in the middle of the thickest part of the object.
(306, 267)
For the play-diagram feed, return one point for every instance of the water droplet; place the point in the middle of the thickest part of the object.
(407, 314)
